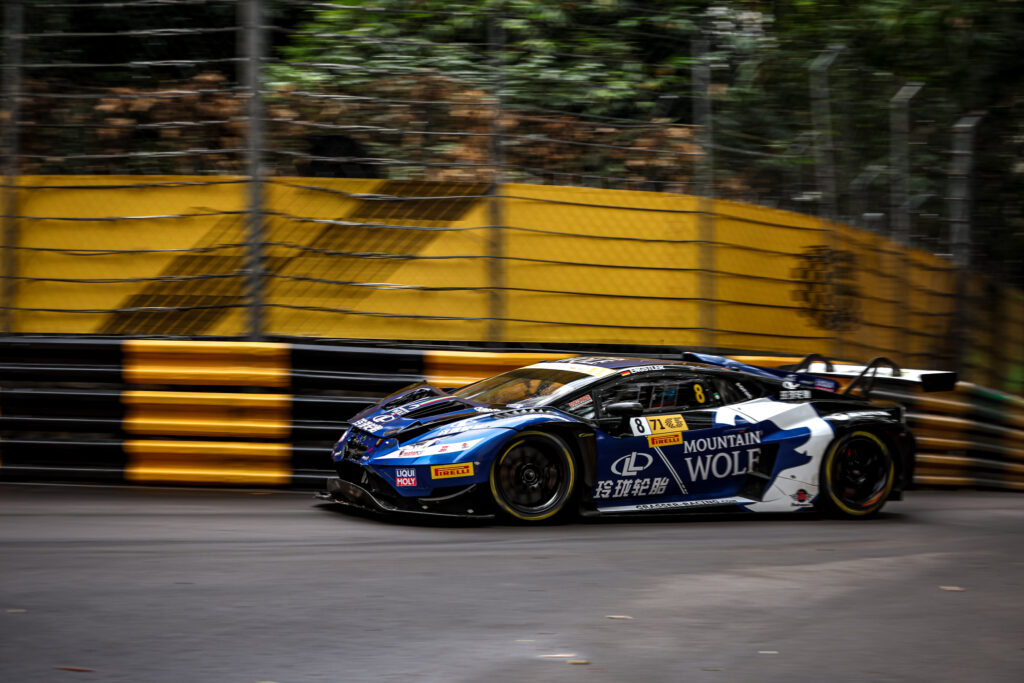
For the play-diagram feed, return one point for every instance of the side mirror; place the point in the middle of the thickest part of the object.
(625, 409)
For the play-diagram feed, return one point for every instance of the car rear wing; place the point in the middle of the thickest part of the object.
(880, 368)
(808, 373)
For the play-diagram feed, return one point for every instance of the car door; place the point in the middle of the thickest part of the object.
(670, 454)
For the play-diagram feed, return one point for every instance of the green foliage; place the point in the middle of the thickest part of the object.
(608, 58)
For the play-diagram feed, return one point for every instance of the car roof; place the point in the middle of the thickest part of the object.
(614, 362)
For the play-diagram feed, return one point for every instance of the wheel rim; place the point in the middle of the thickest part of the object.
(532, 479)
(860, 473)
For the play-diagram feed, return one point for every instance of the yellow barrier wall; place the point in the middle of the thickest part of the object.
(76, 213)
(388, 298)
(388, 259)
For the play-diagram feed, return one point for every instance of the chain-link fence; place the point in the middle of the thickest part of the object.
(496, 172)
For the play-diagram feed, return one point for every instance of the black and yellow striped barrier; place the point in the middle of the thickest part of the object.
(164, 411)
(217, 363)
(266, 414)
(971, 437)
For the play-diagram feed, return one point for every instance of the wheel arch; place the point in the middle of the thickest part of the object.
(893, 434)
(582, 443)
(578, 439)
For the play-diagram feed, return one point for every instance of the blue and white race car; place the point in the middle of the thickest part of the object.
(608, 436)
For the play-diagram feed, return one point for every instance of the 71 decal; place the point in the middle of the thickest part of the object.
(645, 426)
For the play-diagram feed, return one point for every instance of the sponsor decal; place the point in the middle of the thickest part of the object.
(367, 426)
(723, 465)
(632, 464)
(432, 448)
(790, 385)
(405, 476)
(641, 368)
(826, 384)
(630, 488)
(802, 498)
(797, 394)
(462, 469)
(719, 457)
(658, 440)
(645, 426)
(580, 402)
(714, 443)
(743, 389)
(689, 504)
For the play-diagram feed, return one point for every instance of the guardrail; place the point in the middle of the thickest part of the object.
(152, 411)
(255, 413)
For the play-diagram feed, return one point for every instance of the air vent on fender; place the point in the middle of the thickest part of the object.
(439, 408)
(756, 482)
(410, 397)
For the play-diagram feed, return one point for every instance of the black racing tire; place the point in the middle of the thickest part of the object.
(534, 478)
(857, 475)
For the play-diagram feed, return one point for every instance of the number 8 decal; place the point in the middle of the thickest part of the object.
(698, 393)
(640, 426)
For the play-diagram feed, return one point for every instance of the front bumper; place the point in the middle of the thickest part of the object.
(465, 504)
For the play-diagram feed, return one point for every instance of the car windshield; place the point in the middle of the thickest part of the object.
(527, 386)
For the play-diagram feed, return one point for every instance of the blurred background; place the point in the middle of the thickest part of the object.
(787, 177)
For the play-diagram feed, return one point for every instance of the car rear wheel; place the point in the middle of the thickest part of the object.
(857, 475)
(534, 477)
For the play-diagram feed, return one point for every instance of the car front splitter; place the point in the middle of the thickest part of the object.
(352, 495)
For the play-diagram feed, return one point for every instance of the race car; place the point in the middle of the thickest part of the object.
(604, 435)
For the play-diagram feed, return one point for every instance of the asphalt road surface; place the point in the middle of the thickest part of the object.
(151, 585)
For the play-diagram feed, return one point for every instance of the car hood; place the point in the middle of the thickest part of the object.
(422, 420)
(416, 408)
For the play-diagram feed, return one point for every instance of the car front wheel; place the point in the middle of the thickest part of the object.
(534, 477)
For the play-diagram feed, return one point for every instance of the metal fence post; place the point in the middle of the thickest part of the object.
(960, 232)
(701, 83)
(899, 221)
(254, 111)
(14, 20)
(821, 114)
(899, 150)
(495, 203)
(825, 176)
(960, 189)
